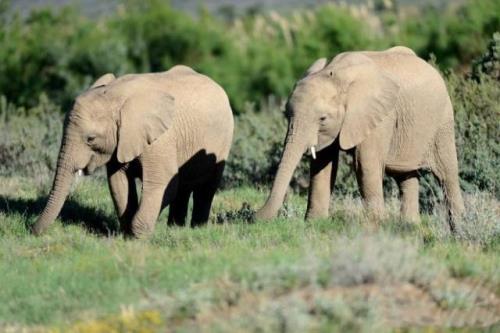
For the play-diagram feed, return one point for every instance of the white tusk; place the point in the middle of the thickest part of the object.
(80, 172)
(313, 152)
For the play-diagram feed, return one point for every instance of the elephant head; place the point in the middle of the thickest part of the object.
(113, 119)
(345, 100)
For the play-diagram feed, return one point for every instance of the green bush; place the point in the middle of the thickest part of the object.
(476, 124)
(59, 52)
(489, 63)
(29, 139)
(257, 147)
(455, 35)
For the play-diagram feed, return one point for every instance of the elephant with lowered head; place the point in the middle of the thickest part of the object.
(390, 109)
(172, 130)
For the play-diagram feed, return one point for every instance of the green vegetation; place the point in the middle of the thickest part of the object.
(489, 63)
(59, 52)
(345, 273)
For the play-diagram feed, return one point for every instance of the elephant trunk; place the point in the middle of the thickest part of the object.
(295, 146)
(60, 189)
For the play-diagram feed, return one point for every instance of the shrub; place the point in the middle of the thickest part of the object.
(456, 34)
(477, 132)
(29, 144)
(489, 63)
(381, 259)
(59, 52)
(256, 147)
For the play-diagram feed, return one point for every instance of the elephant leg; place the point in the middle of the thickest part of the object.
(323, 171)
(408, 189)
(159, 180)
(369, 174)
(124, 194)
(203, 197)
(445, 168)
(178, 208)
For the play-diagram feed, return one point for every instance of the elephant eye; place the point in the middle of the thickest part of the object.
(91, 138)
(331, 73)
(322, 118)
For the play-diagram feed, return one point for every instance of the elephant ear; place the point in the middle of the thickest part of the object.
(316, 66)
(103, 80)
(143, 118)
(371, 97)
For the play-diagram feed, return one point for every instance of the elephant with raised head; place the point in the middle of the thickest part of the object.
(172, 130)
(390, 109)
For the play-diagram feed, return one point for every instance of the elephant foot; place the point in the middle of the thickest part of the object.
(265, 214)
(455, 220)
(141, 230)
(456, 216)
(316, 214)
(141, 234)
(37, 229)
(375, 214)
(411, 219)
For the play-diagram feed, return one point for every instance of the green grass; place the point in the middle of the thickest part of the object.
(340, 274)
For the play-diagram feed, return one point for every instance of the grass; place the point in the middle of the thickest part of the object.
(345, 273)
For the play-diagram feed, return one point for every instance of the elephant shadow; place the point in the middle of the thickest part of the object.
(202, 166)
(93, 220)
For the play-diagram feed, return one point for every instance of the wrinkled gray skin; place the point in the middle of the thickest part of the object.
(391, 110)
(172, 130)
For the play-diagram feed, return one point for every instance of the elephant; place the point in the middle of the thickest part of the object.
(391, 110)
(172, 130)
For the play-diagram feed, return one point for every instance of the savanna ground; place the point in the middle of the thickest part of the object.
(345, 273)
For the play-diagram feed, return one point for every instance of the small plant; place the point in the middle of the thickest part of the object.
(244, 214)
(454, 297)
(380, 259)
(479, 225)
(489, 63)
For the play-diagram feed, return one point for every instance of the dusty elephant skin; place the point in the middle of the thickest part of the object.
(391, 110)
(172, 130)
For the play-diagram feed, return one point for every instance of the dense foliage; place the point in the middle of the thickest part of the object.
(489, 63)
(59, 52)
